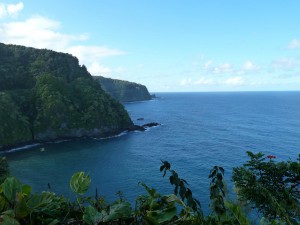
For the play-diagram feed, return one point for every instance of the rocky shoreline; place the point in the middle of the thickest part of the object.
(143, 127)
(29, 144)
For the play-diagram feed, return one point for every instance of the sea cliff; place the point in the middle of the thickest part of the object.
(46, 95)
(124, 91)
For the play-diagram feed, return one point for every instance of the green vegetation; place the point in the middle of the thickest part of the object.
(4, 170)
(271, 187)
(46, 95)
(14, 125)
(124, 91)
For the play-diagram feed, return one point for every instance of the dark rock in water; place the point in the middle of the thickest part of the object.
(140, 118)
(153, 124)
(136, 128)
(143, 127)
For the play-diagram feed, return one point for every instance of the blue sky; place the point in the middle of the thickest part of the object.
(168, 45)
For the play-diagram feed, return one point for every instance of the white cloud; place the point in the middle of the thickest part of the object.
(235, 81)
(200, 81)
(207, 64)
(42, 32)
(209, 67)
(295, 43)
(247, 67)
(2, 11)
(92, 53)
(288, 75)
(91, 57)
(225, 66)
(204, 81)
(285, 63)
(11, 10)
(39, 32)
(185, 81)
(97, 69)
(222, 68)
(259, 83)
(250, 66)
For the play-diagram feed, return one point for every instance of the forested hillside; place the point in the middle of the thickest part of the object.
(124, 91)
(46, 95)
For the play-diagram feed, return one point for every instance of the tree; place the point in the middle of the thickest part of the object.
(271, 187)
(4, 169)
(14, 126)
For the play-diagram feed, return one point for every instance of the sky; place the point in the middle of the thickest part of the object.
(168, 45)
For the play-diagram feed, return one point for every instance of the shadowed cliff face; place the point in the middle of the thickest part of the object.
(46, 95)
(124, 91)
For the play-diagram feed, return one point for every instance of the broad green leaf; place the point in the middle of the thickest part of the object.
(80, 183)
(182, 191)
(118, 211)
(39, 200)
(162, 216)
(237, 213)
(26, 189)
(176, 190)
(173, 198)
(162, 168)
(150, 221)
(91, 216)
(10, 187)
(3, 203)
(9, 212)
(53, 222)
(47, 203)
(21, 209)
(6, 220)
(222, 170)
(212, 174)
(151, 191)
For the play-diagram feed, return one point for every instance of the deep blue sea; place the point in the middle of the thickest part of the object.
(198, 131)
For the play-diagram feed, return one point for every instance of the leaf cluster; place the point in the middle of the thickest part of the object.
(269, 186)
(18, 205)
(181, 187)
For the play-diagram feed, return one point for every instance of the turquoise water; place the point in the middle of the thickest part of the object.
(198, 131)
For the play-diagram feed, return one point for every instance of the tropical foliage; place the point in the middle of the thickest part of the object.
(14, 124)
(47, 95)
(272, 188)
(18, 205)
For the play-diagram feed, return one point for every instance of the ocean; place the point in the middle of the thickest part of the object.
(197, 132)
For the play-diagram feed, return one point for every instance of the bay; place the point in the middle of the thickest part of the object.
(198, 131)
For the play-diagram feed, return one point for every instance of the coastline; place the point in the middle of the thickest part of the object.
(107, 135)
(30, 144)
(18, 148)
